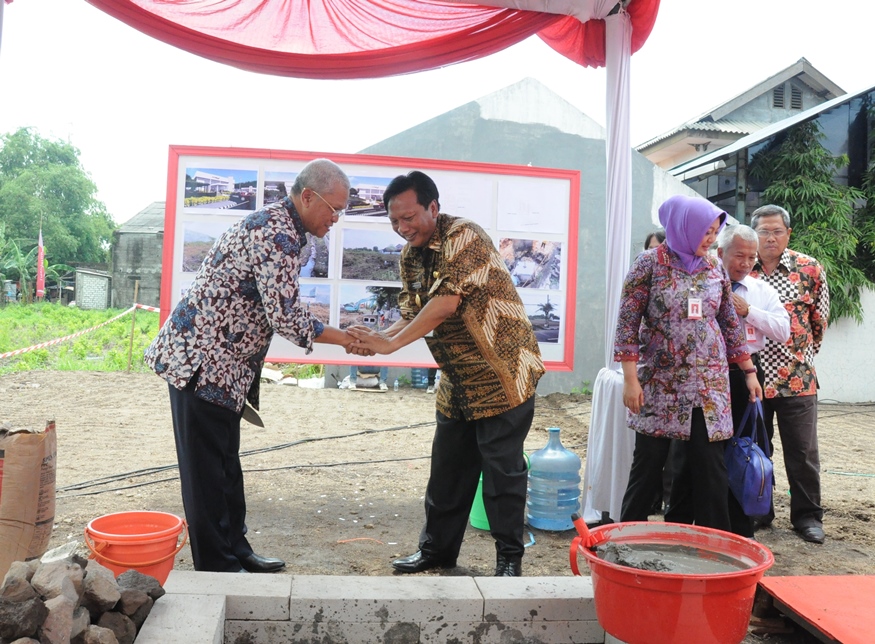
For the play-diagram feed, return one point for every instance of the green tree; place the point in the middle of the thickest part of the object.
(43, 181)
(547, 309)
(800, 174)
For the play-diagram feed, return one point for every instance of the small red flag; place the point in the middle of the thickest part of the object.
(40, 268)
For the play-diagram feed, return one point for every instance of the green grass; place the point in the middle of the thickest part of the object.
(103, 349)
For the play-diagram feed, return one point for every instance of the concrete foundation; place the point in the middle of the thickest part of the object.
(223, 608)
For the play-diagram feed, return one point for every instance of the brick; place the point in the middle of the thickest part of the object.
(520, 599)
(249, 596)
(185, 619)
(391, 599)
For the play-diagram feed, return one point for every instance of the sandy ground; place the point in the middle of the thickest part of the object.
(335, 481)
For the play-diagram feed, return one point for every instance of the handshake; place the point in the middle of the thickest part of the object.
(364, 341)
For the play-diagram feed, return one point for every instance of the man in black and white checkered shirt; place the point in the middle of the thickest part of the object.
(790, 379)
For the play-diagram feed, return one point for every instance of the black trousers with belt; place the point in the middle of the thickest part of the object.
(208, 451)
(461, 449)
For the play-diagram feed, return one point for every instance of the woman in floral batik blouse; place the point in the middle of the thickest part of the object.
(676, 335)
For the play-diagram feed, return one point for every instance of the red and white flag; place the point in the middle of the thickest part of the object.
(40, 268)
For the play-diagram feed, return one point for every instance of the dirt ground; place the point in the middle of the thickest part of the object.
(335, 480)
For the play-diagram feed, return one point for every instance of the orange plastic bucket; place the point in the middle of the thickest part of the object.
(143, 541)
(652, 607)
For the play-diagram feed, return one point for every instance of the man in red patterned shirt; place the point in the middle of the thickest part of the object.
(790, 379)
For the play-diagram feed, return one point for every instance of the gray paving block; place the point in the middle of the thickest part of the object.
(520, 599)
(610, 639)
(336, 632)
(498, 632)
(393, 599)
(249, 596)
(185, 619)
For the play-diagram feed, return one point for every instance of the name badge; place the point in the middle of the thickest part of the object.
(694, 308)
(750, 332)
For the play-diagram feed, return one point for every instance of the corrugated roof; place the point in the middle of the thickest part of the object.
(727, 126)
(801, 69)
(148, 220)
(766, 132)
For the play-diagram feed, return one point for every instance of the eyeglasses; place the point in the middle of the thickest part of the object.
(765, 234)
(338, 212)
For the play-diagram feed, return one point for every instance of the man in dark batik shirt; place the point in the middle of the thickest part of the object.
(456, 287)
(212, 347)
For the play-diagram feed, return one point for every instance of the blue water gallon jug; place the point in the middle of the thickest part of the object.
(554, 486)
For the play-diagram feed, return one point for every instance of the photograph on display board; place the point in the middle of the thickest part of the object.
(184, 285)
(545, 311)
(220, 188)
(373, 306)
(527, 205)
(197, 240)
(277, 185)
(316, 298)
(532, 263)
(366, 198)
(315, 255)
(371, 255)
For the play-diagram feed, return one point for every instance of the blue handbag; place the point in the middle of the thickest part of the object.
(749, 469)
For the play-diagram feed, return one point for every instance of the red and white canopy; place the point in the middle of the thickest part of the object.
(373, 38)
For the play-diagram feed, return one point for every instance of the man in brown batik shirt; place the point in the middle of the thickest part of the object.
(457, 289)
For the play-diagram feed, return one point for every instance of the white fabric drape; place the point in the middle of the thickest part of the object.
(608, 449)
(610, 442)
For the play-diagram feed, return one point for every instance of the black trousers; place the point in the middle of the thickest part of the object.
(460, 451)
(699, 487)
(208, 452)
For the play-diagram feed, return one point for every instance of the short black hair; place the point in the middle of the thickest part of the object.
(659, 234)
(422, 184)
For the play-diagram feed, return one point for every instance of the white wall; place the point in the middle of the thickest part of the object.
(846, 362)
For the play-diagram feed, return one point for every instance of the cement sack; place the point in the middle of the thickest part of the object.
(27, 492)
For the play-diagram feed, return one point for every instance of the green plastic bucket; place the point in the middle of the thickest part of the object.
(478, 511)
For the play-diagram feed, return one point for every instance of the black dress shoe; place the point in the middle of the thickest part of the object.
(508, 566)
(419, 561)
(257, 563)
(812, 534)
(763, 521)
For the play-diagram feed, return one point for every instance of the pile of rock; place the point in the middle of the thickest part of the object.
(73, 600)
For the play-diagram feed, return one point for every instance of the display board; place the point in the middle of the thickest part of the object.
(351, 276)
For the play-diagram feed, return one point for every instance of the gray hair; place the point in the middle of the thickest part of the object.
(321, 175)
(770, 211)
(730, 233)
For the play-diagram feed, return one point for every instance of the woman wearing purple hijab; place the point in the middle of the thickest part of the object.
(676, 335)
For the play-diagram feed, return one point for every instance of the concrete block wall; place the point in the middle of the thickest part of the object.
(222, 608)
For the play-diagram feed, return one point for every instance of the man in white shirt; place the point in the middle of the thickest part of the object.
(763, 316)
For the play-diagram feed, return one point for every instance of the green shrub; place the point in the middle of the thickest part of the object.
(103, 349)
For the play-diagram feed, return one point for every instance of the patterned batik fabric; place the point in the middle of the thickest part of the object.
(487, 351)
(682, 362)
(801, 284)
(245, 291)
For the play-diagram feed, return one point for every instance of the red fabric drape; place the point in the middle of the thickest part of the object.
(329, 39)
(359, 38)
(584, 42)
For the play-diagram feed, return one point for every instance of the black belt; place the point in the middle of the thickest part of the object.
(755, 357)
